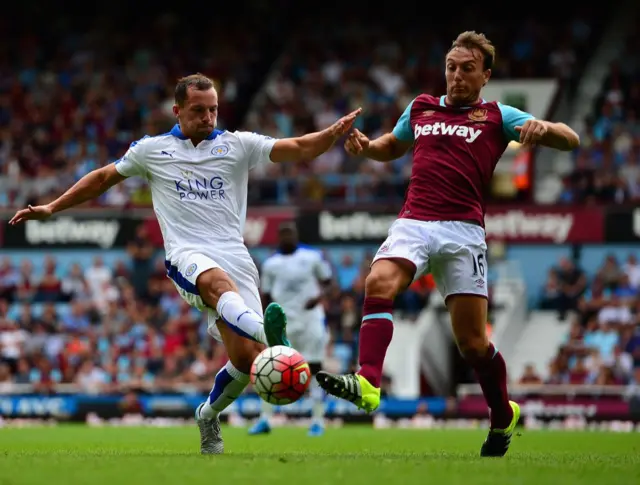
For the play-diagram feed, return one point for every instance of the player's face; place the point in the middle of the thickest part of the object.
(199, 115)
(288, 239)
(465, 75)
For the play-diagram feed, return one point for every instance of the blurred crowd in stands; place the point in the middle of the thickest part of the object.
(75, 91)
(327, 72)
(121, 326)
(607, 166)
(603, 343)
(74, 95)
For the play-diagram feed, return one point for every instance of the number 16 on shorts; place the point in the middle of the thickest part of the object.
(479, 268)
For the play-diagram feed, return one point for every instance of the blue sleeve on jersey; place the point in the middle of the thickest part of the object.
(512, 117)
(402, 130)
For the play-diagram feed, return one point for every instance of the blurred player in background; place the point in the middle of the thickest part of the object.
(295, 277)
(457, 141)
(198, 177)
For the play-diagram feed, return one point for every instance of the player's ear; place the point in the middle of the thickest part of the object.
(487, 75)
(176, 110)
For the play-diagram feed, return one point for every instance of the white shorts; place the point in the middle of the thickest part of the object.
(454, 252)
(185, 268)
(311, 343)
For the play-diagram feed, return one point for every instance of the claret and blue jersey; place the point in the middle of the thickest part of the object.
(455, 153)
(511, 117)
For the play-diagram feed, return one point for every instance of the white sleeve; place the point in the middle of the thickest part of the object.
(257, 148)
(132, 162)
(266, 278)
(322, 269)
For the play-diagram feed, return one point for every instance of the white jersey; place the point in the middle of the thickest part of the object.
(292, 280)
(199, 192)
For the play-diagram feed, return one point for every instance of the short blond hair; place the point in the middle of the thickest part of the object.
(473, 40)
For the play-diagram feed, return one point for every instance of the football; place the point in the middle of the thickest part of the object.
(280, 375)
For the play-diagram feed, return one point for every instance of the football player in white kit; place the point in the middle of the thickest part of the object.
(295, 278)
(198, 177)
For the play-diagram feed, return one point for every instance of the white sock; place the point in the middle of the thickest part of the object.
(317, 398)
(240, 318)
(228, 385)
(266, 411)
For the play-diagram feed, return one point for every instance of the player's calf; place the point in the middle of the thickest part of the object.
(469, 318)
(231, 380)
(241, 351)
(386, 279)
(229, 383)
(218, 291)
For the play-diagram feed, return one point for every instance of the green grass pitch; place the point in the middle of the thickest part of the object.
(351, 455)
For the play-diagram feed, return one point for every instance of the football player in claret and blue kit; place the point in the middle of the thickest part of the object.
(457, 140)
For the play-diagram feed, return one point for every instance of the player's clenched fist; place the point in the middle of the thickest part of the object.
(356, 143)
(532, 132)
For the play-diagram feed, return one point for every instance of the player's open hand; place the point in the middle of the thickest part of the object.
(356, 143)
(344, 124)
(532, 132)
(31, 212)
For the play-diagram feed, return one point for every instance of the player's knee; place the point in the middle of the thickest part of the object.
(473, 346)
(212, 284)
(469, 322)
(381, 285)
(386, 280)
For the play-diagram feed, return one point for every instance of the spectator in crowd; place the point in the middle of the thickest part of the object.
(141, 252)
(530, 376)
(572, 284)
(603, 343)
(551, 292)
(607, 166)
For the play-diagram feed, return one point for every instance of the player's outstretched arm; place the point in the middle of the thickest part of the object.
(88, 187)
(549, 134)
(383, 149)
(309, 146)
(523, 127)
